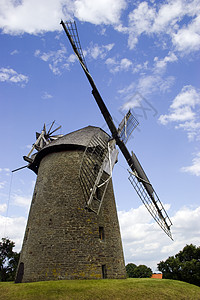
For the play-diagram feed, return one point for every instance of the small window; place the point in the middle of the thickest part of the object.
(104, 272)
(101, 233)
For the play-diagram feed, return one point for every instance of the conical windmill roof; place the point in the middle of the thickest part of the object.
(78, 139)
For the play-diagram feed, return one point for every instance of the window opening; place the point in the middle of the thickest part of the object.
(101, 233)
(104, 272)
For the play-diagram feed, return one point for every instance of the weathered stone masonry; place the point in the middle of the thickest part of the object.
(63, 240)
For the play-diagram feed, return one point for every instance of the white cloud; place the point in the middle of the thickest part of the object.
(22, 201)
(72, 58)
(148, 84)
(2, 184)
(35, 16)
(7, 170)
(14, 52)
(116, 66)
(160, 64)
(96, 51)
(11, 76)
(194, 169)
(3, 207)
(99, 11)
(183, 111)
(187, 223)
(187, 39)
(136, 92)
(165, 18)
(13, 228)
(46, 95)
(57, 60)
(181, 114)
(140, 20)
(192, 128)
(145, 243)
(168, 15)
(140, 67)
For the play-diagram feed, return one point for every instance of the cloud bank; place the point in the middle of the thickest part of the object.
(147, 18)
(35, 16)
(145, 243)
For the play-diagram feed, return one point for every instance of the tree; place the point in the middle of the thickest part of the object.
(130, 270)
(140, 271)
(170, 268)
(8, 260)
(184, 266)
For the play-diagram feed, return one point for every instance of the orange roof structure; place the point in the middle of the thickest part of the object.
(157, 276)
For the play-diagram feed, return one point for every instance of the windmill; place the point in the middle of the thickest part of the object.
(137, 175)
(63, 240)
(72, 230)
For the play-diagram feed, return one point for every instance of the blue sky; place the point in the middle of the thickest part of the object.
(143, 56)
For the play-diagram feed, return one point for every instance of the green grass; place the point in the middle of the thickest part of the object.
(155, 289)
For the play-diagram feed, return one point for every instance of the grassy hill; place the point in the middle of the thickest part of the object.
(100, 289)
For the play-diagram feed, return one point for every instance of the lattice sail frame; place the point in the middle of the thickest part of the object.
(163, 219)
(96, 171)
(72, 29)
(127, 125)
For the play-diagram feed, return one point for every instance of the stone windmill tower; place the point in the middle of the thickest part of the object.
(68, 236)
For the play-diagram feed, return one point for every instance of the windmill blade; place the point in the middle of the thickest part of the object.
(44, 128)
(55, 130)
(159, 215)
(37, 135)
(112, 157)
(127, 125)
(95, 92)
(92, 179)
(145, 191)
(50, 127)
(141, 175)
(72, 34)
(101, 103)
(55, 137)
(107, 116)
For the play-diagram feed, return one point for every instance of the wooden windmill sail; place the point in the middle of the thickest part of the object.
(137, 175)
